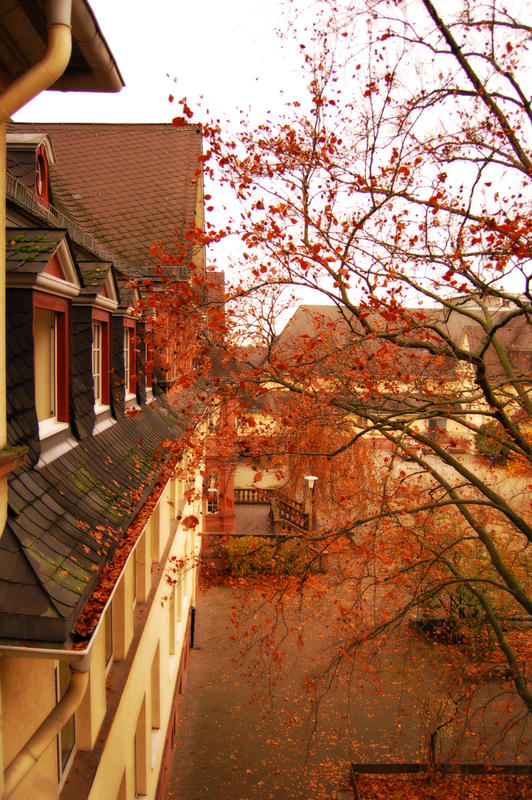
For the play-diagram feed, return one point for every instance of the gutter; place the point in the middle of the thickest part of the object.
(49, 68)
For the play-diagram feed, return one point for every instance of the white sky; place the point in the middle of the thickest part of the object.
(228, 52)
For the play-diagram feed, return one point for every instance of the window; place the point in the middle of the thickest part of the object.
(148, 363)
(155, 679)
(66, 739)
(171, 619)
(212, 495)
(50, 329)
(212, 501)
(109, 650)
(140, 751)
(45, 363)
(129, 357)
(41, 176)
(100, 357)
(436, 426)
(97, 360)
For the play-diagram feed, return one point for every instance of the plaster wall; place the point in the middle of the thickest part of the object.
(153, 671)
(28, 696)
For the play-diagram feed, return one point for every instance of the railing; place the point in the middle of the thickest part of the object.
(292, 514)
(284, 509)
(22, 196)
(252, 496)
(283, 497)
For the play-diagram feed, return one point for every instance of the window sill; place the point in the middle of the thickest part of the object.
(56, 439)
(131, 400)
(104, 419)
(50, 427)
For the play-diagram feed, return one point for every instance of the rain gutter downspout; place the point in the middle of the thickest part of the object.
(30, 753)
(50, 68)
(79, 661)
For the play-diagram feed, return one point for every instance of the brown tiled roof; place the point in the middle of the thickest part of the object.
(129, 185)
(337, 331)
(341, 339)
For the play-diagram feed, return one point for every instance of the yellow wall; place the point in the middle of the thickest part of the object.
(28, 695)
(155, 655)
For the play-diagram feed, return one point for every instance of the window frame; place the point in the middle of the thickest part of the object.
(101, 322)
(60, 308)
(129, 353)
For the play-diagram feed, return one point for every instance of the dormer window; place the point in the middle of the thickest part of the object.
(100, 357)
(130, 378)
(41, 179)
(40, 262)
(37, 147)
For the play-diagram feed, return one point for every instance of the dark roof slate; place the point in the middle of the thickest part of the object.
(66, 519)
(30, 249)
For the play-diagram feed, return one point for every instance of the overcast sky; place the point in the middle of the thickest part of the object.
(228, 52)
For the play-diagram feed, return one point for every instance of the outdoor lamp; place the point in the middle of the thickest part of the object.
(311, 479)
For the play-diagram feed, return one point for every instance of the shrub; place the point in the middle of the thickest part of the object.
(490, 443)
(253, 555)
(249, 555)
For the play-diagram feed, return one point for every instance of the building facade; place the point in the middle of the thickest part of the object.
(100, 547)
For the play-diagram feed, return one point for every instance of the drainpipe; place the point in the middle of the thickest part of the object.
(49, 68)
(79, 662)
(28, 756)
(39, 77)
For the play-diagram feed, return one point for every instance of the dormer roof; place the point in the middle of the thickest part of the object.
(100, 288)
(42, 259)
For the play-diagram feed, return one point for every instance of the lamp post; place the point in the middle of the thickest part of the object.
(311, 480)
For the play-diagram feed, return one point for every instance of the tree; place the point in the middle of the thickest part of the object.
(398, 193)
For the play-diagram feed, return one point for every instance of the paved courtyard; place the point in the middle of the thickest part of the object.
(247, 731)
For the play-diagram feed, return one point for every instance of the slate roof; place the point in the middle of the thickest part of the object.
(30, 249)
(67, 518)
(129, 185)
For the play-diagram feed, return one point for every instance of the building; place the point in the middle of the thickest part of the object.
(100, 547)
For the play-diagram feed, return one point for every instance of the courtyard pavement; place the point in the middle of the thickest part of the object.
(246, 727)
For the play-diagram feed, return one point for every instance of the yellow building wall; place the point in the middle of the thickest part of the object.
(28, 696)
(138, 713)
